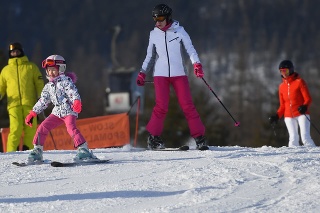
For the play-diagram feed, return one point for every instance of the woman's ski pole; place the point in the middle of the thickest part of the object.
(236, 123)
(312, 124)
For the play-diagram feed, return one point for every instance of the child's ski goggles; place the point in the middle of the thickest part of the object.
(51, 63)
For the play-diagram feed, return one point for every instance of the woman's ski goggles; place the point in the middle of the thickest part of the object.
(159, 18)
(51, 63)
(284, 71)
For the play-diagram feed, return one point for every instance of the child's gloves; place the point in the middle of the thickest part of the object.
(30, 117)
(77, 106)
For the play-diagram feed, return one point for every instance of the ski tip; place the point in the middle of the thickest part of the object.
(19, 164)
(29, 163)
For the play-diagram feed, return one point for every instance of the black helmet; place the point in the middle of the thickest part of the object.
(16, 46)
(287, 64)
(162, 10)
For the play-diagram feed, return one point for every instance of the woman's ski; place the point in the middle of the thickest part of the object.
(182, 148)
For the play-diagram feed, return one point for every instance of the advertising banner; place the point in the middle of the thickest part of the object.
(100, 132)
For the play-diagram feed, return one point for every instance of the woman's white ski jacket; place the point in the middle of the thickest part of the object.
(166, 51)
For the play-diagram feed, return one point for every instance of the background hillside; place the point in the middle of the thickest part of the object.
(240, 44)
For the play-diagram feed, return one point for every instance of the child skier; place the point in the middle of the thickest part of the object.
(63, 94)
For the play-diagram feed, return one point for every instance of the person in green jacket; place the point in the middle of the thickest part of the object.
(22, 82)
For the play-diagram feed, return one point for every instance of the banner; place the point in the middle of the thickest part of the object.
(99, 132)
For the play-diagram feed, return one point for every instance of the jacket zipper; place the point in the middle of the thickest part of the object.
(18, 76)
(165, 40)
(290, 98)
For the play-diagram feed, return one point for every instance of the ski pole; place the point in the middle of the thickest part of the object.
(312, 124)
(54, 143)
(274, 130)
(236, 123)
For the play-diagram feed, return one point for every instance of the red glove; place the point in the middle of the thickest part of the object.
(77, 106)
(30, 117)
(141, 79)
(197, 68)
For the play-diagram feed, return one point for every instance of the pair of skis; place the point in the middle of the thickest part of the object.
(96, 161)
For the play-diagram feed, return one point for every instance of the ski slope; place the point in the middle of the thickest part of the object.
(222, 179)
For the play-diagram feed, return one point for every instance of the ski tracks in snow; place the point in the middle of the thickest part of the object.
(222, 179)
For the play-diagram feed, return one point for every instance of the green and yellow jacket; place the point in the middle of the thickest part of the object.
(22, 82)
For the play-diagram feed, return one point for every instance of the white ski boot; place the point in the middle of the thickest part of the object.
(36, 154)
(84, 154)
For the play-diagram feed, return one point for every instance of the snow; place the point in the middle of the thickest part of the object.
(222, 179)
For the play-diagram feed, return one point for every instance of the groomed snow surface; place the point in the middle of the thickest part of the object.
(222, 179)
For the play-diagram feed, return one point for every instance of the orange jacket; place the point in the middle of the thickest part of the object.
(293, 92)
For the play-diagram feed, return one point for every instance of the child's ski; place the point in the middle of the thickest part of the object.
(27, 163)
(79, 163)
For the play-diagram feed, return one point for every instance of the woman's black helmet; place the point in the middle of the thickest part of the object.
(287, 64)
(162, 10)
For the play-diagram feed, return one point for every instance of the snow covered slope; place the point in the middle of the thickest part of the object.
(222, 179)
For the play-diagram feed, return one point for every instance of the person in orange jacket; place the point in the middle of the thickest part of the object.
(294, 106)
(22, 82)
